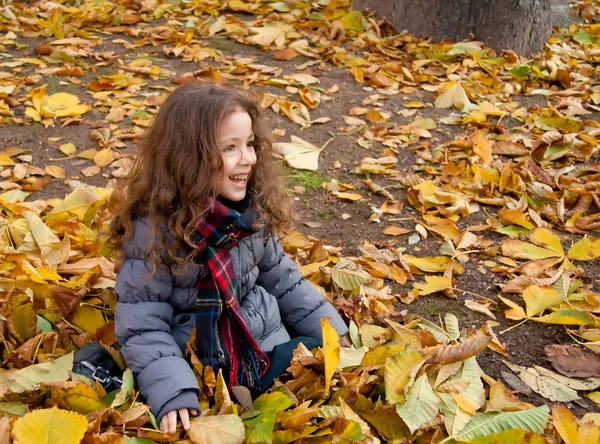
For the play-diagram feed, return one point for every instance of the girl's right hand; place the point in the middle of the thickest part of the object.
(168, 423)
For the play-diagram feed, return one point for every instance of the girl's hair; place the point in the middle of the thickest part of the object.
(170, 180)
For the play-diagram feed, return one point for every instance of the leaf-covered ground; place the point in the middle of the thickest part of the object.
(449, 211)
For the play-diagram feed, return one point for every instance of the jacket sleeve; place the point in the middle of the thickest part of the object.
(301, 305)
(142, 326)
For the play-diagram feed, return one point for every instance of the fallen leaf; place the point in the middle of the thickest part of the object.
(572, 361)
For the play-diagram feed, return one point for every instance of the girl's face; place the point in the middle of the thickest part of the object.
(236, 142)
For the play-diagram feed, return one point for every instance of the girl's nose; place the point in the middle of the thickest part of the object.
(248, 156)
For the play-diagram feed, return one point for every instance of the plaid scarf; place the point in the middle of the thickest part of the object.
(223, 339)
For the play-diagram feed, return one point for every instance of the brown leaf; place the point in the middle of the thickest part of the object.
(285, 54)
(37, 185)
(572, 361)
(447, 354)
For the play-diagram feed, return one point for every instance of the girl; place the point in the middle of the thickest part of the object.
(196, 238)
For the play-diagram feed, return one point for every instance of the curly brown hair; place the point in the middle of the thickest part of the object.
(170, 181)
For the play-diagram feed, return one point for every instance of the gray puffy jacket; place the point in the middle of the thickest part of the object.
(154, 316)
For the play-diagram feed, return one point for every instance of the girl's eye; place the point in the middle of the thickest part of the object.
(251, 144)
(229, 148)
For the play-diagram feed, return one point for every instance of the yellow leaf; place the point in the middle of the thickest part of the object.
(331, 351)
(299, 153)
(104, 157)
(397, 373)
(517, 249)
(267, 35)
(73, 111)
(594, 396)
(567, 317)
(88, 154)
(90, 171)
(515, 217)
(68, 149)
(220, 429)
(537, 299)
(60, 101)
(482, 147)
(589, 433)
(464, 403)
(392, 207)
(48, 273)
(433, 285)
(37, 95)
(375, 117)
(88, 319)
(6, 160)
(348, 196)
(50, 426)
(454, 97)
(55, 171)
(395, 231)
(46, 240)
(516, 313)
(373, 335)
(35, 115)
(586, 249)
(547, 239)
(429, 264)
(81, 398)
(565, 424)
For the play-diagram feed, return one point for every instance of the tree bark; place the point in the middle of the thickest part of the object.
(520, 25)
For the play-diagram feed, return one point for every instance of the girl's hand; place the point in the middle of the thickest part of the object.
(168, 422)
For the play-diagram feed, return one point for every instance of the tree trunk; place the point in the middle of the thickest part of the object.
(521, 25)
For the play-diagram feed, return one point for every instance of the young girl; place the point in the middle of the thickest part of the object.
(195, 232)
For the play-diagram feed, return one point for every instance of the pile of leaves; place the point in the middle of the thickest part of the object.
(530, 172)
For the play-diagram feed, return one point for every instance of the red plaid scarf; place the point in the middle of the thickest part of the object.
(223, 339)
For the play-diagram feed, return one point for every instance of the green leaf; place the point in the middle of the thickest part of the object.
(259, 428)
(483, 424)
(11, 409)
(355, 335)
(566, 317)
(421, 405)
(43, 325)
(584, 37)
(352, 21)
(520, 71)
(468, 48)
(452, 326)
(455, 418)
(474, 392)
(349, 280)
